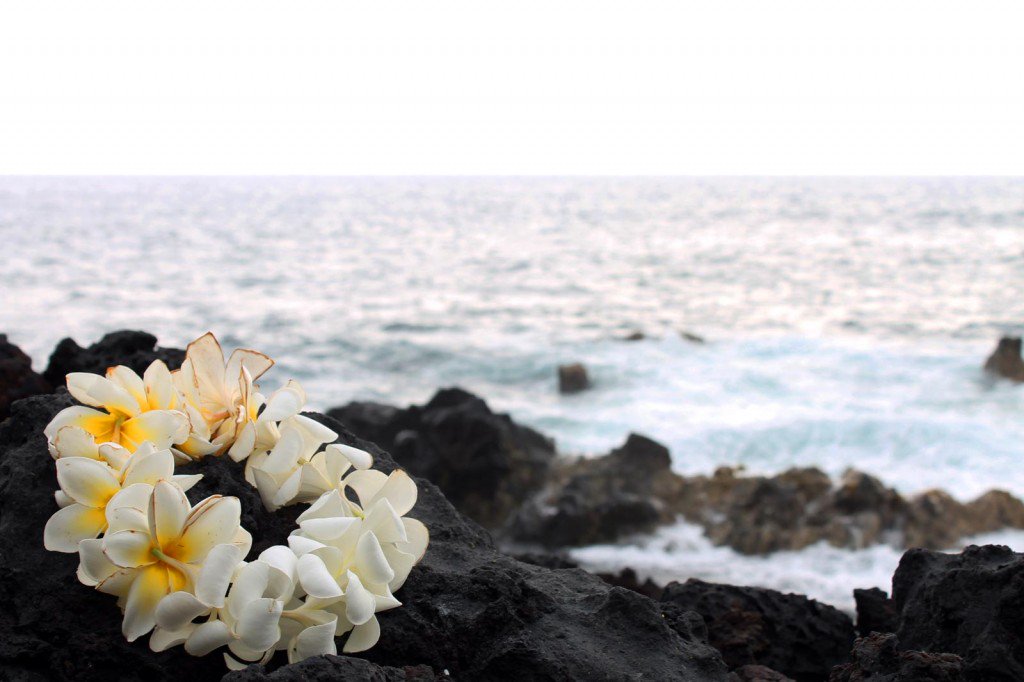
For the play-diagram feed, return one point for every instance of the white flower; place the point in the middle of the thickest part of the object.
(351, 560)
(89, 479)
(262, 434)
(156, 544)
(130, 417)
(277, 474)
(260, 613)
(222, 393)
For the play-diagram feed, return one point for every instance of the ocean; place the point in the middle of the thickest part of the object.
(845, 319)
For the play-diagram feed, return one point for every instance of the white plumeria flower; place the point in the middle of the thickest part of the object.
(262, 434)
(90, 479)
(221, 392)
(129, 419)
(353, 561)
(156, 544)
(277, 474)
(260, 613)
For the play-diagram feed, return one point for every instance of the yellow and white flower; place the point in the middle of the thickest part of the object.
(126, 417)
(157, 544)
(90, 479)
(221, 393)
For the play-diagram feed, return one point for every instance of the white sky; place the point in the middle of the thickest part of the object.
(428, 87)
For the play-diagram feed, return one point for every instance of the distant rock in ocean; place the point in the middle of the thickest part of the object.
(691, 337)
(573, 378)
(1005, 361)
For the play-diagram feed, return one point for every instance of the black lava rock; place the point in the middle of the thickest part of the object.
(17, 379)
(323, 668)
(789, 633)
(877, 658)
(468, 609)
(970, 604)
(132, 348)
(876, 612)
(484, 463)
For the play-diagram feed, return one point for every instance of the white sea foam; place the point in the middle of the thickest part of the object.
(822, 572)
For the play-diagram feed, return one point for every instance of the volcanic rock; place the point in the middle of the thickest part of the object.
(876, 612)
(877, 658)
(17, 380)
(573, 378)
(1005, 361)
(324, 668)
(969, 604)
(789, 633)
(758, 673)
(486, 464)
(691, 337)
(600, 499)
(132, 348)
(467, 608)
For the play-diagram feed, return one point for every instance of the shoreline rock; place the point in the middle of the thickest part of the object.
(573, 378)
(1005, 361)
(17, 379)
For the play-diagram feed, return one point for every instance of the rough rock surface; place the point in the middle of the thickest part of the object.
(789, 633)
(17, 379)
(132, 348)
(468, 608)
(324, 668)
(758, 673)
(634, 488)
(970, 604)
(876, 612)
(1005, 361)
(601, 499)
(573, 378)
(877, 658)
(486, 464)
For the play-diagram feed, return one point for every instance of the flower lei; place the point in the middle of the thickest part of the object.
(179, 571)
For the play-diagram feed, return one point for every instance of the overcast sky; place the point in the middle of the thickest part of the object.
(515, 87)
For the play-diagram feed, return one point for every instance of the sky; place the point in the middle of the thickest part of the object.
(520, 88)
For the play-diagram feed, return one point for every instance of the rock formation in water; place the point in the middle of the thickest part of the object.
(1005, 361)
(17, 379)
(485, 463)
(573, 378)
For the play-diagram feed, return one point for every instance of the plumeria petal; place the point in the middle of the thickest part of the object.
(159, 388)
(359, 602)
(209, 525)
(96, 391)
(167, 513)
(370, 561)
(70, 525)
(178, 609)
(163, 428)
(162, 639)
(360, 459)
(316, 640)
(149, 587)
(87, 481)
(363, 637)
(315, 579)
(216, 573)
(129, 548)
(149, 469)
(74, 441)
(257, 625)
(207, 637)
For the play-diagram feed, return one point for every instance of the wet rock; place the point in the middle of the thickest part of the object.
(875, 611)
(789, 633)
(17, 380)
(600, 499)
(969, 604)
(132, 348)
(877, 658)
(485, 463)
(324, 668)
(1005, 361)
(572, 378)
(628, 578)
